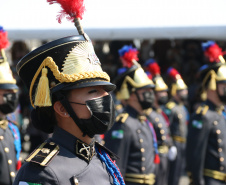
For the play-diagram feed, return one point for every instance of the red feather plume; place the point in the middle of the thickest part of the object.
(128, 58)
(213, 53)
(154, 68)
(3, 39)
(70, 8)
(173, 73)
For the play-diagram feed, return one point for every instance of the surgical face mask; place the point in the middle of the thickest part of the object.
(183, 97)
(223, 96)
(162, 100)
(10, 102)
(148, 99)
(102, 116)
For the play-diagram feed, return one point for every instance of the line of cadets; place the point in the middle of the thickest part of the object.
(149, 135)
(153, 136)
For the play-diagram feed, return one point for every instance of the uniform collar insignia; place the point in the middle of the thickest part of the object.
(219, 109)
(84, 150)
(142, 118)
(3, 124)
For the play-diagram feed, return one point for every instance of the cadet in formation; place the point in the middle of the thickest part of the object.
(178, 117)
(132, 137)
(206, 142)
(10, 144)
(70, 95)
(160, 122)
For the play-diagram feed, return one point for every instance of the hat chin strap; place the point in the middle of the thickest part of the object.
(71, 112)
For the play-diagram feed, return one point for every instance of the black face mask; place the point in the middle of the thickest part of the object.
(222, 97)
(162, 100)
(10, 103)
(184, 97)
(148, 100)
(102, 116)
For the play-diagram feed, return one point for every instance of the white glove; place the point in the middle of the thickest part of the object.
(172, 154)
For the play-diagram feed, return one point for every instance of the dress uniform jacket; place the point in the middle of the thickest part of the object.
(8, 153)
(132, 140)
(64, 160)
(178, 128)
(164, 142)
(206, 146)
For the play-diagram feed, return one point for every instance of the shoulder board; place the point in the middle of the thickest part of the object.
(43, 154)
(202, 109)
(148, 111)
(170, 105)
(118, 107)
(122, 117)
(110, 153)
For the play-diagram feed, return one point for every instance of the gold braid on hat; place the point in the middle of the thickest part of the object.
(61, 78)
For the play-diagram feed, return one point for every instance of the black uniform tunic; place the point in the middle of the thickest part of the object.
(132, 140)
(178, 128)
(164, 142)
(67, 167)
(206, 146)
(8, 158)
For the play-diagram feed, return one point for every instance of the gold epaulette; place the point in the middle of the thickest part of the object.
(122, 117)
(44, 153)
(170, 105)
(148, 111)
(118, 107)
(202, 109)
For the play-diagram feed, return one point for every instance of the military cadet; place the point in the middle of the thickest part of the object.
(160, 122)
(178, 117)
(10, 144)
(206, 141)
(132, 137)
(70, 95)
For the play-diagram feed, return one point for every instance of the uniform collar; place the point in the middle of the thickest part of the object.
(73, 144)
(212, 106)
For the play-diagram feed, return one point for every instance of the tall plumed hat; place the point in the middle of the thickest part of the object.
(131, 76)
(6, 78)
(152, 66)
(178, 83)
(63, 64)
(215, 69)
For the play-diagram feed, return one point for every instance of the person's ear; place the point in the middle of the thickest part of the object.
(60, 110)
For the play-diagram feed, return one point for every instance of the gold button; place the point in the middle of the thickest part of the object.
(143, 159)
(141, 140)
(219, 149)
(215, 122)
(180, 116)
(10, 161)
(221, 168)
(75, 181)
(1, 137)
(52, 143)
(12, 174)
(160, 125)
(142, 168)
(157, 119)
(218, 131)
(219, 140)
(221, 159)
(139, 131)
(162, 131)
(163, 137)
(6, 150)
(142, 150)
